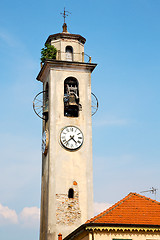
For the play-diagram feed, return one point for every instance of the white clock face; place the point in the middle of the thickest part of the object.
(45, 142)
(71, 138)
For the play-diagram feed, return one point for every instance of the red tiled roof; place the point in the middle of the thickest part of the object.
(133, 209)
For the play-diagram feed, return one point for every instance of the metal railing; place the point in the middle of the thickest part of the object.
(75, 57)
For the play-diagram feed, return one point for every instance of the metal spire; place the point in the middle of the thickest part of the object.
(64, 16)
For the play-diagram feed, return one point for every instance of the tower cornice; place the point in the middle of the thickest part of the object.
(63, 65)
(65, 35)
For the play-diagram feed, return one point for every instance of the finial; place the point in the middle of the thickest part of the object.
(64, 16)
(64, 27)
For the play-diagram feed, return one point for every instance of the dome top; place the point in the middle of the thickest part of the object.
(65, 35)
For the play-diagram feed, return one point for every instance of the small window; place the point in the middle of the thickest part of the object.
(69, 53)
(71, 193)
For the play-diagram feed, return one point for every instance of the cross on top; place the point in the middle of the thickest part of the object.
(65, 15)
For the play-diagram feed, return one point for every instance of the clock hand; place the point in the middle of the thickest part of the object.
(68, 140)
(73, 139)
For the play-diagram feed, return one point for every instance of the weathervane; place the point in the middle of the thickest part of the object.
(65, 15)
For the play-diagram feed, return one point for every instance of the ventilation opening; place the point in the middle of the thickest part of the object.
(71, 193)
(69, 53)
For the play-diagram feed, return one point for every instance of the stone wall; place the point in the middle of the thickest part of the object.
(67, 209)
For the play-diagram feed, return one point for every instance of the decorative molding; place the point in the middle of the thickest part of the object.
(131, 229)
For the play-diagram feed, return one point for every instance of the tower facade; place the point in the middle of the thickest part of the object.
(67, 184)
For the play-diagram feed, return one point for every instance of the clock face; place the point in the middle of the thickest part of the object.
(71, 138)
(45, 142)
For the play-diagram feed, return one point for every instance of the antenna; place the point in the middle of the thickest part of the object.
(65, 15)
(151, 190)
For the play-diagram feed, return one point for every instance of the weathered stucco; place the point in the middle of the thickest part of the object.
(62, 168)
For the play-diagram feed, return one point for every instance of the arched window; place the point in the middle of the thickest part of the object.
(71, 193)
(71, 97)
(69, 53)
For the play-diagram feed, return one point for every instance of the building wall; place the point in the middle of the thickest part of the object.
(65, 167)
(119, 235)
(62, 168)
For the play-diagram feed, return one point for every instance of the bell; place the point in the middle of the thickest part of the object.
(72, 100)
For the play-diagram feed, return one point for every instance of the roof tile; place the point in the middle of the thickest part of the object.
(133, 209)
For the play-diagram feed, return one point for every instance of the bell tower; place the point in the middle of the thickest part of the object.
(67, 184)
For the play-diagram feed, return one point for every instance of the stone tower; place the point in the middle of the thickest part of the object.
(67, 184)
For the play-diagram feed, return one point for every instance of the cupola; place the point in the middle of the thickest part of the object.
(70, 47)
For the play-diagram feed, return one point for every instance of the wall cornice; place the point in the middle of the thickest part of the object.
(57, 64)
(131, 229)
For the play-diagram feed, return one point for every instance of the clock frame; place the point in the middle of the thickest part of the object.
(71, 138)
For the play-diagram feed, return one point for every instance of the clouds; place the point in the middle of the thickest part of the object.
(7, 216)
(29, 217)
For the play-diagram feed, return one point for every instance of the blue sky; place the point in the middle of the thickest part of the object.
(123, 38)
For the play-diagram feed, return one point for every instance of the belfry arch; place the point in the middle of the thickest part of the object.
(71, 97)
